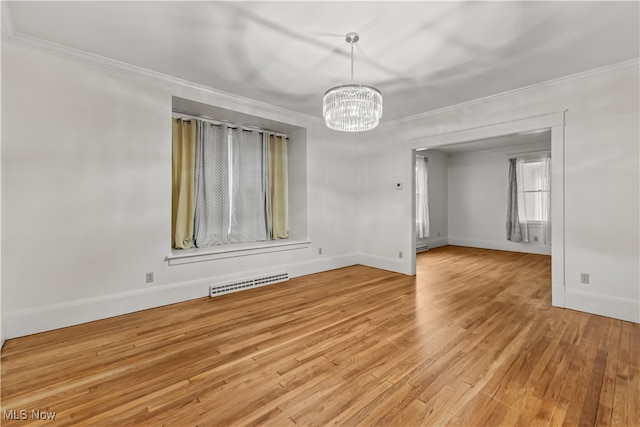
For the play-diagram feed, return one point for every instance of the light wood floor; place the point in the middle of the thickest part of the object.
(473, 340)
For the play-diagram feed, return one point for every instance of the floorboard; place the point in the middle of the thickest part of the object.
(471, 340)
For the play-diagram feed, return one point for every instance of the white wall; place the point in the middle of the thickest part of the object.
(478, 187)
(2, 322)
(602, 180)
(86, 189)
(438, 204)
(87, 195)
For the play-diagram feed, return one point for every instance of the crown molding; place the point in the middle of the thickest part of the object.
(635, 62)
(23, 40)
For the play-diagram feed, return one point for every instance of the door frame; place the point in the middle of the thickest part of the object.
(553, 121)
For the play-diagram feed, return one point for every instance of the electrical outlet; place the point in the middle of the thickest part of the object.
(319, 251)
(399, 254)
(584, 278)
(150, 277)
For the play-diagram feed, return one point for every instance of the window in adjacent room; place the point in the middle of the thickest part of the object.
(536, 191)
(529, 198)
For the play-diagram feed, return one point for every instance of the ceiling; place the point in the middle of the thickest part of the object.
(421, 55)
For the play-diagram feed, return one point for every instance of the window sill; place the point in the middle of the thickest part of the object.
(187, 256)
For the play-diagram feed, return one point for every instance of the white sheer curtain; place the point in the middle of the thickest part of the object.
(211, 222)
(545, 186)
(522, 207)
(248, 221)
(422, 197)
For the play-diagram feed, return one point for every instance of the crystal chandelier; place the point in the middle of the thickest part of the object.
(351, 107)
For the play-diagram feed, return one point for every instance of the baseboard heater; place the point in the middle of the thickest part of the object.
(422, 248)
(242, 284)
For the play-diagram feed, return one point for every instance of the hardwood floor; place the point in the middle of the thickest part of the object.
(472, 340)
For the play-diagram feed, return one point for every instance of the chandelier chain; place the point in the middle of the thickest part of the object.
(351, 62)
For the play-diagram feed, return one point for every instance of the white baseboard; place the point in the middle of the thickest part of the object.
(603, 305)
(434, 243)
(530, 248)
(391, 264)
(321, 264)
(45, 318)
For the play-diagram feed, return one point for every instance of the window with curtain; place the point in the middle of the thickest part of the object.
(229, 184)
(529, 197)
(422, 197)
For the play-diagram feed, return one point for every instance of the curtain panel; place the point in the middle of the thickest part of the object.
(211, 224)
(422, 197)
(277, 200)
(515, 231)
(247, 216)
(182, 181)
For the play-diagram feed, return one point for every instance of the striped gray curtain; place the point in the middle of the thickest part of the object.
(514, 232)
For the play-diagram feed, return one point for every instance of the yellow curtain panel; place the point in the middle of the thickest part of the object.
(183, 158)
(277, 157)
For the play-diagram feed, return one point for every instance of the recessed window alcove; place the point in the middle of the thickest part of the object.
(297, 185)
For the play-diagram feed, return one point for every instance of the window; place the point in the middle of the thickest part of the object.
(536, 191)
(229, 184)
(529, 198)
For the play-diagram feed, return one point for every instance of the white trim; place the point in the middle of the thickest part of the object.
(557, 296)
(515, 92)
(603, 305)
(432, 243)
(557, 216)
(45, 318)
(492, 130)
(502, 245)
(390, 264)
(542, 146)
(187, 256)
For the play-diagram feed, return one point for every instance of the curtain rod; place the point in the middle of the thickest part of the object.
(229, 124)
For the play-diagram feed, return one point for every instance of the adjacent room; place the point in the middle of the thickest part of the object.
(462, 194)
(312, 213)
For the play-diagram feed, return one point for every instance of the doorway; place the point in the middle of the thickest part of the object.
(488, 139)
